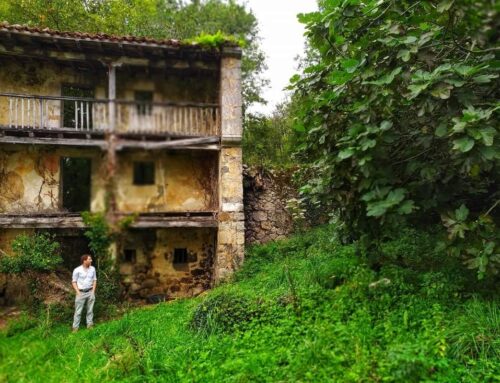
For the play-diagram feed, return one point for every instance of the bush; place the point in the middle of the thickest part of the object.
(37, 252)
(223, 312)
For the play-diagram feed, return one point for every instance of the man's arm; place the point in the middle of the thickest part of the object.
(94, 282)
(75, 287)
(73, 282)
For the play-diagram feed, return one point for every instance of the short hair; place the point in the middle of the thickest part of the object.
(84, 257)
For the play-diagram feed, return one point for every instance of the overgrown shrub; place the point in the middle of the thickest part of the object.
(399, 118)
(223, 312)
(100, 236)
(36, 252)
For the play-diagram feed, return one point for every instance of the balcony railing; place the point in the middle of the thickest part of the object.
(93, 115)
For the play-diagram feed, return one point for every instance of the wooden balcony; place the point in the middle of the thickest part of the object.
(75, 221)
(89, 116)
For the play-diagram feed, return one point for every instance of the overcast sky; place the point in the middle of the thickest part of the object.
(282, 40)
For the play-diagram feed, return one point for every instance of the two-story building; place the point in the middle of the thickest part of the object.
(131, 127)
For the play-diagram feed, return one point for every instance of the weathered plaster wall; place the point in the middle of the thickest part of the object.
(154, 271)
(30, 180)
(30, 177)
(184, 181)
(195, 87)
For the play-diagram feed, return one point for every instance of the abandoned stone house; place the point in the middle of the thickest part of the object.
(128, 126)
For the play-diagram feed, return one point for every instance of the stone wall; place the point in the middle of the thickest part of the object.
(154, 270)
(265, 196)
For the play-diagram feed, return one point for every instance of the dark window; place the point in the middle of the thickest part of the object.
(180, 255)
(77, 114)
(144, 101)
(129, 255)
(75, 183)
(144, 173)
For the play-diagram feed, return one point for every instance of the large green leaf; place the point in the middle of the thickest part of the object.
(463, 144)
(387, 78)
(346, 153)
(462, 213)
(488, 134)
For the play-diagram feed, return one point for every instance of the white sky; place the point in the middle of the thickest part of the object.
(282, 40)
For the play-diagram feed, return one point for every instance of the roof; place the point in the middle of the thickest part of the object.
(103, 37)
(81, 41)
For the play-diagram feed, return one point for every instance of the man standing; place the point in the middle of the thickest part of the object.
(84, 282)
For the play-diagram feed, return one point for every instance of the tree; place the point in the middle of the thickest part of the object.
(269, 140)
(400, 117)
(153, 18)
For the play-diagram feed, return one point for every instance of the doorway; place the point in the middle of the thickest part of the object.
(75, 183)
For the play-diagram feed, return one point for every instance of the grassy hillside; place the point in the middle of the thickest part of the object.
(303, 310)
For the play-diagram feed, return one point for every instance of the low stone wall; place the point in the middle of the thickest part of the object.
(265, 197)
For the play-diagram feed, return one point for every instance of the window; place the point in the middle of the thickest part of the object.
(144, 101)
(129, 255)
(144, 173)
(75, 183)
(77, 114)
(180, 255)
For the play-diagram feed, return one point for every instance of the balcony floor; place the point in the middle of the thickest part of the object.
(70, 137)
(143, 221)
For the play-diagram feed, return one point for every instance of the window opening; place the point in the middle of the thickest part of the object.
(144, 173)
(180, 255)
(130, 255)
(77, 114)
(144, 101)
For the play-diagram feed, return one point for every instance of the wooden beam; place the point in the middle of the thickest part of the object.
(68, 56)
(53, 141)
(168, 223)
(13, 222)
(171, 144)
(64, 222)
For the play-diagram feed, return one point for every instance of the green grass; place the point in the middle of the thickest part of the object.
(300, 310)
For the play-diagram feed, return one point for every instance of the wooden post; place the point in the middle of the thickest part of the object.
(111, 145)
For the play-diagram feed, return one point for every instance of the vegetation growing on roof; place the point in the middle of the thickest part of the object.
(216, 40)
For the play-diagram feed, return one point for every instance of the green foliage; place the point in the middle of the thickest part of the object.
(21, 324)
(216, 40)
(270, 141)
(399, 108)
(36, 252)
(207, 21)
(411, 321)
(100, 237)
(223, 312)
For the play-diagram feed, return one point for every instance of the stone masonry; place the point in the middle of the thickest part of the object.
(229, 253)
(265, 196)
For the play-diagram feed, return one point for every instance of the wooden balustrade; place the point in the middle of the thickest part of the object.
(86, 115)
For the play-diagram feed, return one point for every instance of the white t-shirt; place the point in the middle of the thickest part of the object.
(84, 277)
